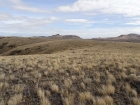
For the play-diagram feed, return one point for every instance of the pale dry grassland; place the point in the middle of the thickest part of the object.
(87, 77)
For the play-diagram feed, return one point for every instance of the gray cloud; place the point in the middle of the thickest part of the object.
(9, 22)
(5, 16)
(19, 5)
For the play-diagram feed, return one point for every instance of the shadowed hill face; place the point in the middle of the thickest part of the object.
(58, 43)
(71, 37)
(56, 36)
(49, 47)
(9, 43)
(57, 46)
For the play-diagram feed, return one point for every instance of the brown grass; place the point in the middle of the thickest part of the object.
(103, 73)
(55, 88)
(107, 89)
(28, 46)
(14, 100)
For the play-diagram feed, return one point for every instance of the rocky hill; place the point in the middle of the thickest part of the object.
(57, 36)
(125, 38)
(128, 37)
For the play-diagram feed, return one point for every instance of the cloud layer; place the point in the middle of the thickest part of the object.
(86, 18)
(77, 21)
(22, 23)
(19, 5)
(124, 7)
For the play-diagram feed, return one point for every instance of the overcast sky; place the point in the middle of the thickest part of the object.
(85, 18)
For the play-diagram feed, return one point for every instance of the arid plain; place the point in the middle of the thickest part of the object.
(43, 71)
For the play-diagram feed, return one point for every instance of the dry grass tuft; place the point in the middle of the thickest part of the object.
(55, 88)
(134, 92)
(85, 96)
(1, 85)
(45, 101)
(100, 101)
(83, 85)
(2, 76)
(107, 89)
(109, 100)
(14, 100)
(128, 88)
(69, 100)
(41, 93)
(136, 101)
(68, 83)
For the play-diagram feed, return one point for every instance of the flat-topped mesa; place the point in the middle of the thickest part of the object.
(71, 37)
(55, 36)
(58, 36)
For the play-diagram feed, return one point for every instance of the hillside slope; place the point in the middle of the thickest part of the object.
(129, 37)
(106, 74)
(11, 43)
(122, 38)
(8, 43)
(57, 46)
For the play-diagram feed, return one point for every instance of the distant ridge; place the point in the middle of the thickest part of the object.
(128, 38)
(57, 36)
(56, 43)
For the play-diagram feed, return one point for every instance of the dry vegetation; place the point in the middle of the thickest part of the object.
(29, 46)
(105, 74)
(32, 45)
